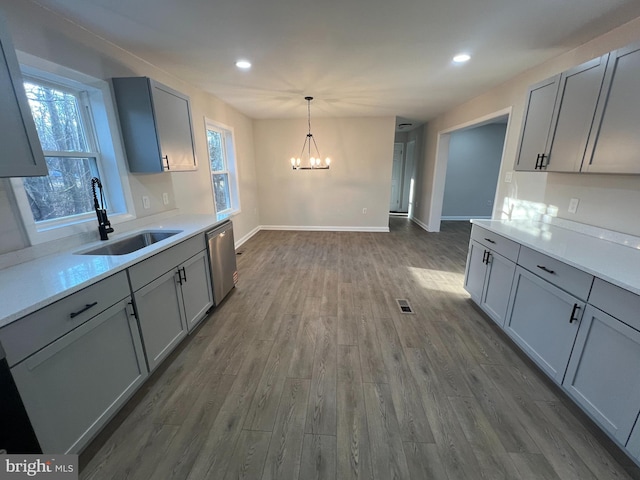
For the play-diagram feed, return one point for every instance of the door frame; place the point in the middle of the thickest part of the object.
(442, 157)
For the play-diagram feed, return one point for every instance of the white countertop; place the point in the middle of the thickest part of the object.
(613, 262)
(29, 286)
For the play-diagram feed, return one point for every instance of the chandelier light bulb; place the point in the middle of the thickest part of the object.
(327, 161)
(313, 161)
(293, 162)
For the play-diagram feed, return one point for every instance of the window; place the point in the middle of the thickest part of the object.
(69, 147)
(224, 179)
(74, 121)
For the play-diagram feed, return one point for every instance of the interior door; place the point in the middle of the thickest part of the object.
(409, 168)
(396, 177)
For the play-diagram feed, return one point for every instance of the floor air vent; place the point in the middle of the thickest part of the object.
(404, 306)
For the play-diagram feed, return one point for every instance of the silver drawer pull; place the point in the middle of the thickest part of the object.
(87, 306)
(542, 267)
(489, 240)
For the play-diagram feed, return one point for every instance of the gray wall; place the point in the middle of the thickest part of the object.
(46, 35)
(472, 171)
(606, 201)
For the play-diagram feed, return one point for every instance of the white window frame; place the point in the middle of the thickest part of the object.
(102, 135)
(231, 162)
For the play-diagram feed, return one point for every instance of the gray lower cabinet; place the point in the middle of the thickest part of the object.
(543, 320)
(172, 293)
(488, 280)
(603, 375)
(21, 152)
(197, 294)
(73, 386)
(162, 324)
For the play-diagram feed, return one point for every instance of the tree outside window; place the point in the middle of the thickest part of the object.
(69, 147)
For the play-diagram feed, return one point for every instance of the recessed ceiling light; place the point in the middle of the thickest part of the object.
(461, 58)
(243, 64)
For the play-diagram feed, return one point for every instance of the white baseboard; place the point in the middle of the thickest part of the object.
(464, 218)
(420, 224)
(242, 240)
(312, 228)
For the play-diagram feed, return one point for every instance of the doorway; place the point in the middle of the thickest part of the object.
(473, 167)
(402, 176)
(443, 147)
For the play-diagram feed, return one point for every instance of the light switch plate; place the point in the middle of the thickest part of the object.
(573, 205)
(165, 198)
(145, 202)
(508, 177)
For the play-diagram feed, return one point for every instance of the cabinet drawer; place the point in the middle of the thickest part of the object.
(616, 301)
(33, 332)
(560, 274)
(495, 242)
(148, 270)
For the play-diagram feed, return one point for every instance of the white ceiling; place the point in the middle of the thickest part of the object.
(356, 57)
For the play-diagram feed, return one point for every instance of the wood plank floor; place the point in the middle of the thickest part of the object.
(309, 371)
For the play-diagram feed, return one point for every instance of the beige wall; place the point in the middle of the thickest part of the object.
(609, 201)
(361, 150)
(46, 35)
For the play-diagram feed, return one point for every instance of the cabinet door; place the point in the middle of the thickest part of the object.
(603, 375)
(21, 152)
(536, 123)
(173, 121)
(476, 271)
(160, 315)
(197, 295)
(573, 116)
(497, 288)
(72, 387)
(540, 320)
(615, 147)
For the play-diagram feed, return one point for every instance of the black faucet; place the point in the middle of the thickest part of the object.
(104, 226)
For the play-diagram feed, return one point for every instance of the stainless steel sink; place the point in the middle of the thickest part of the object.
(133, 243)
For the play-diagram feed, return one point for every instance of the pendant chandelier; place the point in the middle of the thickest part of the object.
(309, 162)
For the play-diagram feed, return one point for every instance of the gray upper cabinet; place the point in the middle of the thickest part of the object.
(573, 116)
(156, 126)
(541, 99)
(616, 145)
(21, 152)
(558, 120)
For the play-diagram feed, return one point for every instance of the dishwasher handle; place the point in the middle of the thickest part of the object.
(220, 230)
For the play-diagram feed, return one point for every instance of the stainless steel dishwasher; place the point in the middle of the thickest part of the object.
(222, 260)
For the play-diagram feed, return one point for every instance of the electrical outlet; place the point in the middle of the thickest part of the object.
(364, 211)
(573, 205)
(508, 177)
(165, 198)
(145, 202)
